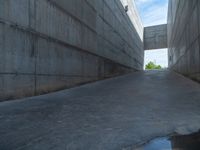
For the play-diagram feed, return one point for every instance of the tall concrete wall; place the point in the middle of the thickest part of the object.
(155, 37)
(183, 37)
(47, 45)
(134, 16)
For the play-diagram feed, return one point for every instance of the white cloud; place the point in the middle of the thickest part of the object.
(155, 15)
(153, 12)
(142, 1)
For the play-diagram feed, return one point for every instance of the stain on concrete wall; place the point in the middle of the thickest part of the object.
(183, 37)
(48, 45)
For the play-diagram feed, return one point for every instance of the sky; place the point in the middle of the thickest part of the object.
(154, 12)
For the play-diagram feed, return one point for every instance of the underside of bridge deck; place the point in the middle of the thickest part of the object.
(117, 113)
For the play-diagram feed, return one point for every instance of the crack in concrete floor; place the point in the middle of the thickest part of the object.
(114, 114)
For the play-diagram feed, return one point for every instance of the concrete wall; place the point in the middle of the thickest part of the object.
(134, 16)
(183, 37)
(155, 37)
(48, 45)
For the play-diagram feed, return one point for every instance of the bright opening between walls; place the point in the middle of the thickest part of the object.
(159, 58)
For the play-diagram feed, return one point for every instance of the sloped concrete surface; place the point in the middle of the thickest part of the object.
(115, 114)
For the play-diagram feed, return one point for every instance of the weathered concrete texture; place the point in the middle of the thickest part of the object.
(134, 16)
(155, 37)
(183, 37)
(107, 115)
(47, 45)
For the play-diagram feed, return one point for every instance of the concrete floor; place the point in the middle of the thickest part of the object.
(114, 114)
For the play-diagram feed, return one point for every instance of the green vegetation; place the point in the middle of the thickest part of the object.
(152, 65)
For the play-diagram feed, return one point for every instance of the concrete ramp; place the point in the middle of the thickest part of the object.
(155, 37)
(114, 114)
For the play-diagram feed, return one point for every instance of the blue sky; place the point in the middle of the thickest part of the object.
(154, 12)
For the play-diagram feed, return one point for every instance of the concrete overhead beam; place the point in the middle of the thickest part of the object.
(155, 37)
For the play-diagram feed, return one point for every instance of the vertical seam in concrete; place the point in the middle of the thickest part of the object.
(198, 17)
(35, 74)
(34, 48)
(104, 36)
